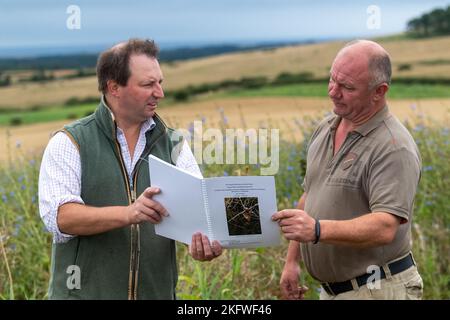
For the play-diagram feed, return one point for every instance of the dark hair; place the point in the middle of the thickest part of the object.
(113, 64)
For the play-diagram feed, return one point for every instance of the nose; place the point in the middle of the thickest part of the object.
(159, 92)
(333, 90)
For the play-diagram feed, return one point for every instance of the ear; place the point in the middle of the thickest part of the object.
(113, 88)
(380, 91)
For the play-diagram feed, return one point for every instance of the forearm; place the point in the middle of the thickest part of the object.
(78, 219)
(294, 249)
(294, 253)
(371, 230)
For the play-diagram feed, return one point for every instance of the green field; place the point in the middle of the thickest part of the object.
(47, 114)
(397, 91)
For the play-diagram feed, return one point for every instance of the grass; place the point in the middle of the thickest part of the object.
(237, 274)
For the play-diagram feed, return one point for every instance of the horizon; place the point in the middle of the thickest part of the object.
(30, 52)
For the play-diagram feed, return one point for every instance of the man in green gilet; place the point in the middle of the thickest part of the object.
(94, 193)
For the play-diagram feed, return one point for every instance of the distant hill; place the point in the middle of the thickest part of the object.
(412, 58)
(79, 61)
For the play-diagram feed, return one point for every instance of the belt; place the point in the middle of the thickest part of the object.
(335, 288)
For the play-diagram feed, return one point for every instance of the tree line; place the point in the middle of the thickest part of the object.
(434, 23)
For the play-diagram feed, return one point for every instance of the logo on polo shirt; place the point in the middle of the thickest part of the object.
(348, 161)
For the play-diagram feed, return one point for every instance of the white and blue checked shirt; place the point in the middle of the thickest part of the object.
(60, 173)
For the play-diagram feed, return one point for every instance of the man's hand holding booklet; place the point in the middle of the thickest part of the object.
(236, 211)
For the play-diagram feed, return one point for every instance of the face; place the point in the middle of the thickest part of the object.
(349, 86)
(139, 98)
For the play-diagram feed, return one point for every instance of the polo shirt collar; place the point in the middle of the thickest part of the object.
(366, 127)
(373, 122)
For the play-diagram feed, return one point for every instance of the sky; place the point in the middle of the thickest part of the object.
(26, 24)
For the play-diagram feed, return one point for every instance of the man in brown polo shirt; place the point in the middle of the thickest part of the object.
(352, 227)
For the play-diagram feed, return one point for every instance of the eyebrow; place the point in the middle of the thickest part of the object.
(348, 84)
(152, 79)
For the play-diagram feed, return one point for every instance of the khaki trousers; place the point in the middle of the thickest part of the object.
(406, 285)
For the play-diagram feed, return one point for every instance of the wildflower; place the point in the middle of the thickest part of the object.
(290, 168)
(413, 106)
(23, 187)
(191, 128)
(428, 168)
(225, 174)
(295, 204)
(32, 162)
(4, 198)
(20, 179)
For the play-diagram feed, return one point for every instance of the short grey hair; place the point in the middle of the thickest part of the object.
(380, 67)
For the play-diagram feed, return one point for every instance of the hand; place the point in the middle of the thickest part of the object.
(289, 283)
(200, 248)
(146, 209)
(296, 225)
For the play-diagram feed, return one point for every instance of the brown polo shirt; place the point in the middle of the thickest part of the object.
(376, 169)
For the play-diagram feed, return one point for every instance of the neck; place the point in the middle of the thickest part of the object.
(354, 122)
(128, 126)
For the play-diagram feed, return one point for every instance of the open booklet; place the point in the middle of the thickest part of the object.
(236, 211)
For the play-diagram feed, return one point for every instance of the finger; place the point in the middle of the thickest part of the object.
(284, 290)
(288, 229)
(150, 191)
(302, 291)
(142, 217)
(199, 246)
(288, 290)
(207, 251)
(283, 214)
(155, 205)
(216, 248)
(144, 210)
(194, 248)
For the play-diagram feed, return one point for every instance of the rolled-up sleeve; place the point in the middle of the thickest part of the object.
(59, 182)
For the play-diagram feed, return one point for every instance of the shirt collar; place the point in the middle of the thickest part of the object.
(373, 122)
(147, 125)
(366, 127)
